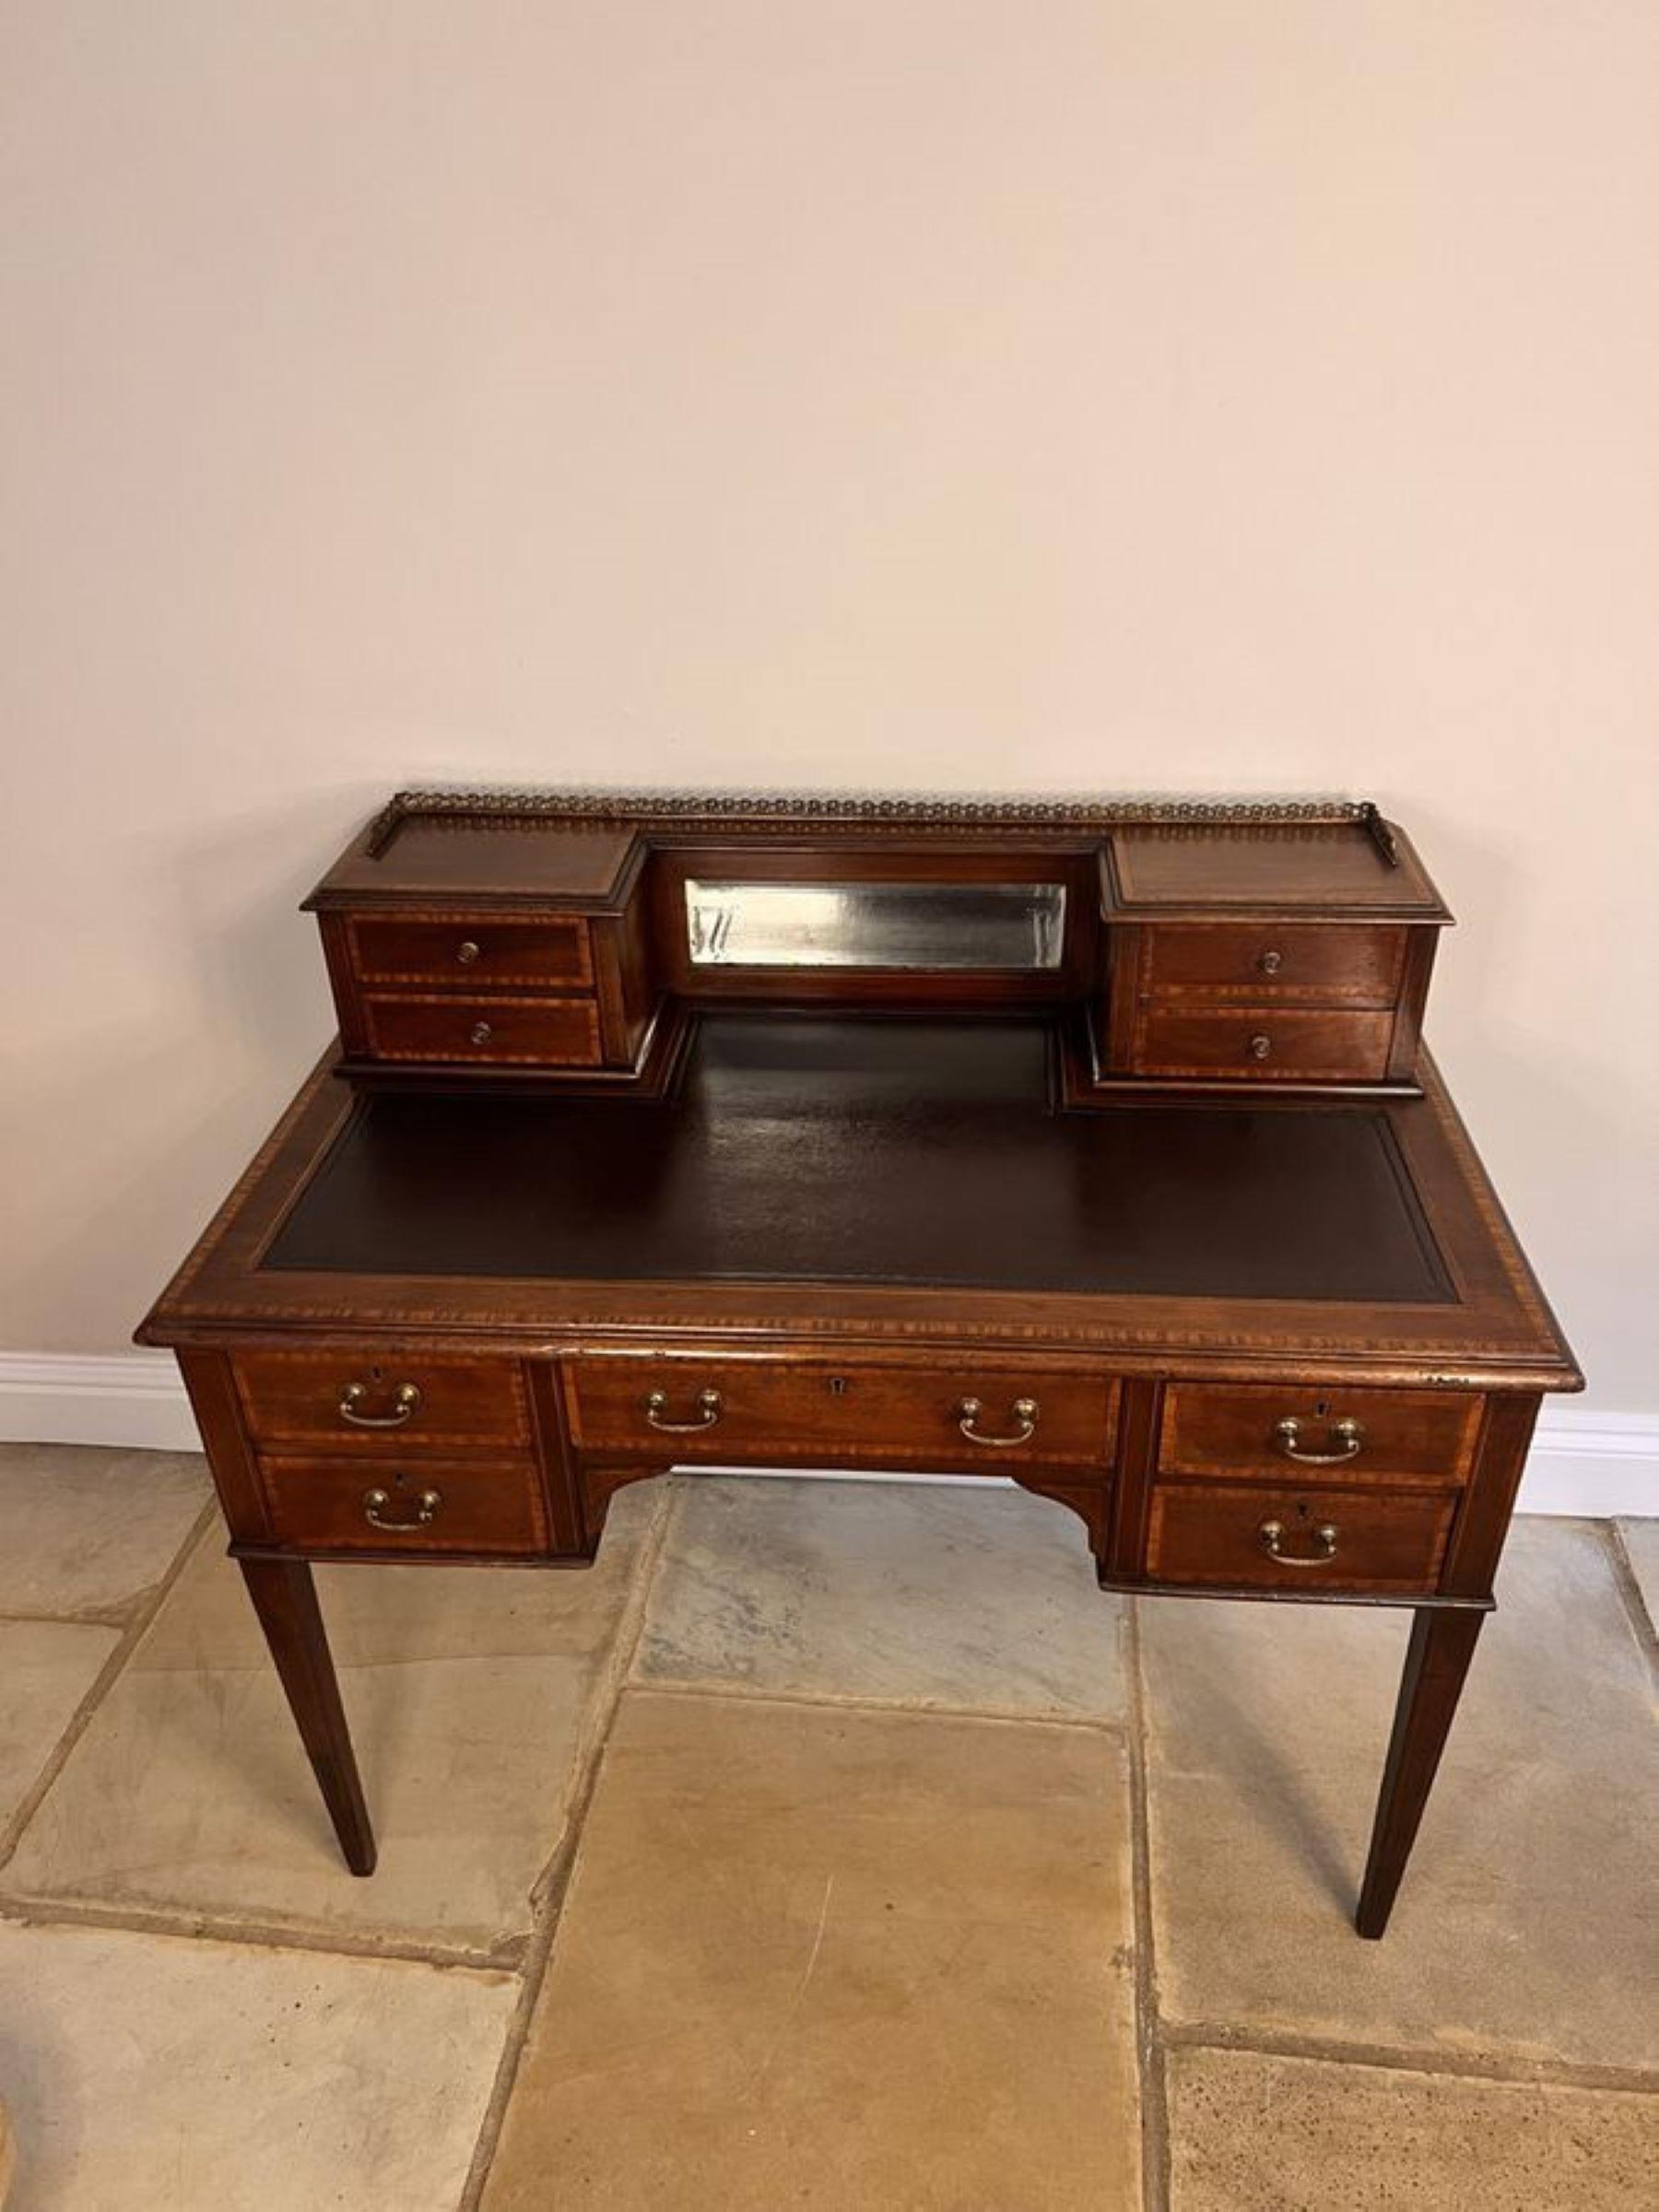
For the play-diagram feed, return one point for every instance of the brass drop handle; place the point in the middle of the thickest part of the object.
(656, 1405)
(1272, 1537)
(481, 1032)
(1261, 1044)
(466, 952)
(376, 1501)
(1023, 1409)
(406, 1399)
(1270, 963)
(1349, 1436)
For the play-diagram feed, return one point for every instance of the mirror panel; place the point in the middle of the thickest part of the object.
(932, 927)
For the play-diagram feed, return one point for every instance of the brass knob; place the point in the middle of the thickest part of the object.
(466, 952)
(406, 1399)
(1270, 962)
(1024, 1411)
(709, 1410)
(481, 1032)
(376, 1501)
(1346, 1435)
(1271, 1536)
(1261, 1044)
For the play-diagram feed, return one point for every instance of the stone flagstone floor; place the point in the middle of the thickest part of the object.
(828, 1844)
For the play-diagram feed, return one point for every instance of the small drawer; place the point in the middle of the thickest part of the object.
(871, 1416)
(1262, 1043)
(471, 951)
(358, 1400)
(1249, 1431)
(1273, 961)
(407, 1504)
(537, 1032)
(1261, 1536)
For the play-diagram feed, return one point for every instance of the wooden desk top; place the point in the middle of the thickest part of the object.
(849, 1179)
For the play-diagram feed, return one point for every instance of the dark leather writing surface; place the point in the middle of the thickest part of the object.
(924, 1152)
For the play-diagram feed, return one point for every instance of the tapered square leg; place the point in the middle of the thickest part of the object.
(1437, 1660)
(285, 1597)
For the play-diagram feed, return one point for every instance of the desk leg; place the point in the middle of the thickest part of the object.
(1442, 1644)
(285, 1597)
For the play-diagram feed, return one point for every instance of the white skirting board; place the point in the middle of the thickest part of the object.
(1582, 1461)
(133, 1398)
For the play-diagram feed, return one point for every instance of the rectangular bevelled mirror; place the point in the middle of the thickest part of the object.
(1013, 927)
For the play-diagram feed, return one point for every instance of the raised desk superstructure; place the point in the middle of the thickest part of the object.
(1095, 1147)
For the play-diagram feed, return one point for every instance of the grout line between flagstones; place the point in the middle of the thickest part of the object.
(115, 1615)
(1406, 2058)
(736, 1693)
(553, 1885)
(142, 1612)
(1629, 1590)
(25, 1911)
(1148, 2037)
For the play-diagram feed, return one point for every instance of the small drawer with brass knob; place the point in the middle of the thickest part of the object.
(374, 1399)
(1255, 1536)
(397, 1506)
(1262, 1043)
(1325, 964)
(551, 952)
(501, 1031)
(1252, 1431)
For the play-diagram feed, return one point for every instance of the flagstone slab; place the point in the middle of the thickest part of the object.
(1250, 2132)
(972, 1596)
(88, 1530)
(150, 2071)
(470, 1693)
(1525, 1926)
(836, 1958)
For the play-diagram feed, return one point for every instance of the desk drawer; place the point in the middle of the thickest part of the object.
(1233, 1432)
(1274, 962)
(357, 1401)
(1262, 1537)
(534, 1032)
(396, 1505)
(875, 1417)
(471, 951)
(1262, 1043)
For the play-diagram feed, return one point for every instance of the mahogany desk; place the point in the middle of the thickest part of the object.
(1266, 1343)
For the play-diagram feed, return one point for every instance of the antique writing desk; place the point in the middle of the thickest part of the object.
(1094, 1147)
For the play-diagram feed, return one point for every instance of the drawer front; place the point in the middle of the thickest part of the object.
(360, 1401)
(473, 951)
(539, 1032)
(1262, 1043)
(407, 1504)
(720, 1409)
(1239, 1432)
(1275, 1537)
(1272, 962)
